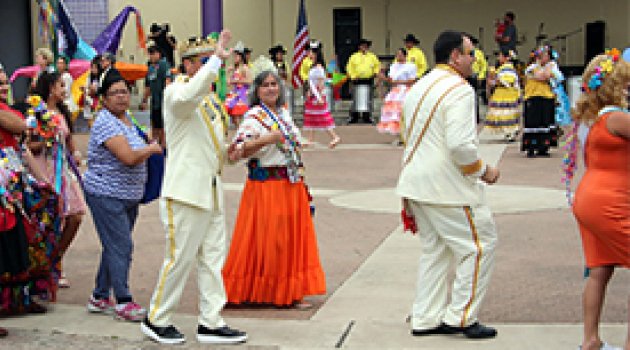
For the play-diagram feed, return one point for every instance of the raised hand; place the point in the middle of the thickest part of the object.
(222, 50)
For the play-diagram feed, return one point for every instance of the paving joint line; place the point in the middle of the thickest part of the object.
(345, 334)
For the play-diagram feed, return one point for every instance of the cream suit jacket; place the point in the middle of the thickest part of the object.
(192, 163)
(445, 169)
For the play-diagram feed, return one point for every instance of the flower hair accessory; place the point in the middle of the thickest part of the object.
(541, 49)
(511, 55)
(602, 70)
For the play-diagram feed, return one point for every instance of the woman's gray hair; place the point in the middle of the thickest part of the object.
(258, 81)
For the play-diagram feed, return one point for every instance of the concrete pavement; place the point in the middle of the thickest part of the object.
(533, 298)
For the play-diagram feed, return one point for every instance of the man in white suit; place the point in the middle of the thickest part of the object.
(441, 184)
(191, 206)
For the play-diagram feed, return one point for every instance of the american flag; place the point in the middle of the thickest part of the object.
(299, 46)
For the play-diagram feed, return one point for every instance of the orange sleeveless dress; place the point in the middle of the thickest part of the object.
(602, 200)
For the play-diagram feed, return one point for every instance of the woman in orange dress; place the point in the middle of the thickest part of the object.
(602, 200)
(273, 257)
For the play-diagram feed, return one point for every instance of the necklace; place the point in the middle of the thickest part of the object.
(290, 146)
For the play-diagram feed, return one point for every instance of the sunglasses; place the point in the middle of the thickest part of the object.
(203, 60)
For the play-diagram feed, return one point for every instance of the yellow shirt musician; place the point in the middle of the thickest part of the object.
(363, 64)
(480, 66)
(415, 55)
(362, 67)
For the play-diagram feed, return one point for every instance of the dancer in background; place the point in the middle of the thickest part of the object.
(538, 130)
(316, 110)
(563, 106)
(401, 76)
(239, 79)
(504, 107)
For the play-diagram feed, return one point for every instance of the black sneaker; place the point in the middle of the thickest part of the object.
(162, 335)
(442, 329)
(221, 335)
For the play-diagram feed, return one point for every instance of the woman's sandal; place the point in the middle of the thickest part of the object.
(63, 281)
(334, 142)
(302, 305)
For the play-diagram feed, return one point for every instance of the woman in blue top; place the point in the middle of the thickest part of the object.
(114, 184)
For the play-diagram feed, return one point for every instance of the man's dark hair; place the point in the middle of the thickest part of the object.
(155, 48)
(510, 15)
(445, 43)
(474, 40)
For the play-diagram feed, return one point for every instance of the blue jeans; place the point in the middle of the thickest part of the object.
(114, 219)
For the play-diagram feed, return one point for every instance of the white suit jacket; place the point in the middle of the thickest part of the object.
(445, 168)
(193, 162)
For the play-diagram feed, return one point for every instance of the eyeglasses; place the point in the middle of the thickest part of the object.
(119, 92)
(471, 53)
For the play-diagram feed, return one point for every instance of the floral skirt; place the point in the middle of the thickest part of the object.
(27, 264)
(273, 256)
(392, 110)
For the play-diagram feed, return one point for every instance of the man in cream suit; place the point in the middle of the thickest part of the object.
(441, 184)
(191, 206)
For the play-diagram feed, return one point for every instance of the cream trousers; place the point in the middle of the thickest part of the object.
(192, 235)
(466, 237)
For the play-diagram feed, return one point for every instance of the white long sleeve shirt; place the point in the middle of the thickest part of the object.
(446, 167)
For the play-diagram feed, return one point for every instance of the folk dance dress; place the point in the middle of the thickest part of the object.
(504, 107)
(563, 106)
(70, 189)
(316, 111)
(539, 120)
(273, 256)
(236, 101)
(392, 107)
(29, 233)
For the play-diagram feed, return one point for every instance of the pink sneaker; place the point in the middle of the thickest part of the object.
(130, 312)
(100, 306)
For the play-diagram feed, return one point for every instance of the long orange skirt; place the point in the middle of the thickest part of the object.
(273, 256)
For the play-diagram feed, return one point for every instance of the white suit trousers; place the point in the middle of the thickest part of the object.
(465, 236)
(192, 234)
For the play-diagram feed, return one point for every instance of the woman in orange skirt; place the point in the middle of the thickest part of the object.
(602, 200)
(273, 256)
